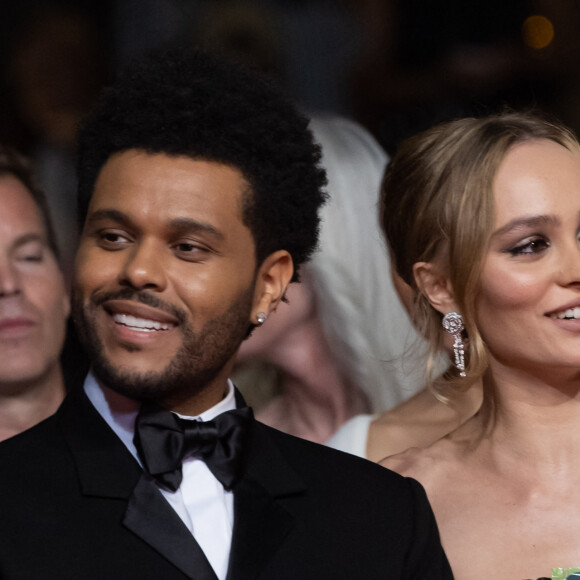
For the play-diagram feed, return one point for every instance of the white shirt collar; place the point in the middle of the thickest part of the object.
(120, 412)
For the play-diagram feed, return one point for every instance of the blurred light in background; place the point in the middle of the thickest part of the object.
(537, 32)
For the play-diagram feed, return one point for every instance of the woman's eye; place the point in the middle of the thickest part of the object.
(533, 246)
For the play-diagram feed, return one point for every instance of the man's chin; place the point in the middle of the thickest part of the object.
(174, 381)
(135, 383)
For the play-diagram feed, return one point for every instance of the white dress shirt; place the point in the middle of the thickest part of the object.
(201, 501)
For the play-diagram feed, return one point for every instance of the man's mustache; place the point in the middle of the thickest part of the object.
(139, 296)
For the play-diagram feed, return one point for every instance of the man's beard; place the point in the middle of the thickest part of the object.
(198, 361)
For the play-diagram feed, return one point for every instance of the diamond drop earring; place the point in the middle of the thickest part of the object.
(453, 324)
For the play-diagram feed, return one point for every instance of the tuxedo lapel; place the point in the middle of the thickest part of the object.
(261, 522)
(104, 465)
(152, 519)
(107, 469)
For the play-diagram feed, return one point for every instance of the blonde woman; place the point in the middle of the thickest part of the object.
(483, 219)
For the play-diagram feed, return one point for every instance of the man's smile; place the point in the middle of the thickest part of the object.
(141, 324)
(134, 320)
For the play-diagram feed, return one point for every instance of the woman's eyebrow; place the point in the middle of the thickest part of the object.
(527, 222)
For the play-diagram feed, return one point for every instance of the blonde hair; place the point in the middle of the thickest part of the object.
(437, 193)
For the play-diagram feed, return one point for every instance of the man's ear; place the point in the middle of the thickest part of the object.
(273, 278)
(433, 282)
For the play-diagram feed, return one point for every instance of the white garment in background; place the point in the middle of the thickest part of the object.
(352, 437)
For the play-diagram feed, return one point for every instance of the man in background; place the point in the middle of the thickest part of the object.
(34, 305)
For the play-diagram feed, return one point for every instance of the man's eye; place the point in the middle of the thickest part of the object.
(30, 253)
(35, 257)
(112, 239)
(185, 247)
(191, 251)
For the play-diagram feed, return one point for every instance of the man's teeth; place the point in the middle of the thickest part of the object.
(570, 313)
(142, 324)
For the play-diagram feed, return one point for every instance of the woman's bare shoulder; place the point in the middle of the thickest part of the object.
(424, 464)
(418, 422)
(408, 463)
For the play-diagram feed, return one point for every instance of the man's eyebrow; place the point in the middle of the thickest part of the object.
(527, 222)
(177, 225)
(108, 214)
(27, 238)
(191, 226)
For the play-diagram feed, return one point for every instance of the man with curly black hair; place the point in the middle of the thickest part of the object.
(200, 186)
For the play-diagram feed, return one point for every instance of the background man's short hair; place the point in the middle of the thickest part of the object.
(15, 164)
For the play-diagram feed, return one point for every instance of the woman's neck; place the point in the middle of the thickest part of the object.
(316, 398)
(531, 417)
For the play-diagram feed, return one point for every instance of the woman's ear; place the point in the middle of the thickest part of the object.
(273, 278)
(433, 282)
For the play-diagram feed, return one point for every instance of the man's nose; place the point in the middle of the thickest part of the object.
(144, 267)
(10, 278)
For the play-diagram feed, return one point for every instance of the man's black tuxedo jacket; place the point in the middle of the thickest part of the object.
(302, 512)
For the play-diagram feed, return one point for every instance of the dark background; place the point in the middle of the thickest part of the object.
(387, 63)
(396, 66)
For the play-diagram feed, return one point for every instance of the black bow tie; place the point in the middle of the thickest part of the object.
(164, 440)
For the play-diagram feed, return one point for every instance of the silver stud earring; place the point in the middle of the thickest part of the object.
(261, 318)
(453, 324)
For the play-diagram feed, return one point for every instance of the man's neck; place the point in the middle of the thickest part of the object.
(24, 405)
(120, 404)
(203, 400)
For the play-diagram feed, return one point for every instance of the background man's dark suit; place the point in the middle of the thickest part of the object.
(301, 512)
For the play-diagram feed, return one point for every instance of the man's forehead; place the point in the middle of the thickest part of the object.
(188, 193)
(17, 205)
(135, 165)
